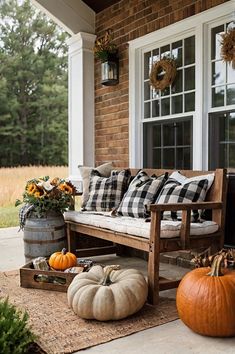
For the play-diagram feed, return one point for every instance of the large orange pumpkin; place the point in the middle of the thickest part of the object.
(62, 260)
(206, 300)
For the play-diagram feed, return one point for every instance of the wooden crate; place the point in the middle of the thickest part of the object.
(35, 278)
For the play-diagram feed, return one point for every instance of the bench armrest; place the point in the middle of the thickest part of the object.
(185, 206)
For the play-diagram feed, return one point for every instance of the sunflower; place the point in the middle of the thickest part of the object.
(65, 187)
(31, 188)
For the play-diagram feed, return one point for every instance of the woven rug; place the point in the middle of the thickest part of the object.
(60, 331)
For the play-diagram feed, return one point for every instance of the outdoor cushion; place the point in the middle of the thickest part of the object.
(85, 171)
(136, 226)
(142, 191)
(105, 194)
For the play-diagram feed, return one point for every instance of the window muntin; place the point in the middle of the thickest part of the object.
(172, 100)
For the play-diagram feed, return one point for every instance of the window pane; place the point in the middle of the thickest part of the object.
(155, 93)
(155, 108)
(168, 134)
(232, 127)
(183, 158)
(168, 158)
(183, 133)
(230, 74)
(231, 162)
(177, 84)
(216, 41)
(157, 135)
(166, 92)
(218, 96)
(165, 105)
(157, 162)
(156, 55)
(218, 72)
(189, 50)
(189, 102)
(189, 78)
(177, 53)
(222, 140)
(146, 91)
(177, 104)
(165, 51)
(147, 110)
(147, 64)
(231, 94)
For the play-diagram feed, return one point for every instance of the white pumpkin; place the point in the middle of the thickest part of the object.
(107, 294)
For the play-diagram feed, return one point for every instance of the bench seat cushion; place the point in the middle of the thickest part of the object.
(136, 226)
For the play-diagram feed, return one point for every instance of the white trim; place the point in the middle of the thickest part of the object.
(81, 103)
(198, 26)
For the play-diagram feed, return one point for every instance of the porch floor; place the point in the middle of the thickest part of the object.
(170, 338)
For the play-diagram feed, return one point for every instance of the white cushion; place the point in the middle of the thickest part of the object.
(137, 226)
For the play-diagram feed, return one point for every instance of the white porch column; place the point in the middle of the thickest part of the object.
(81, 103)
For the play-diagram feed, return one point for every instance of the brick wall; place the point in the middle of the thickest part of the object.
(129, 19)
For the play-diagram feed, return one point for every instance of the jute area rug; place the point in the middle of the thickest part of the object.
(60, 331)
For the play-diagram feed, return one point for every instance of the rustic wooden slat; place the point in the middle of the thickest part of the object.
(185, 228)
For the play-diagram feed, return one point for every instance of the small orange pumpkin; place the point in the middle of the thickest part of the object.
(62, 260)
(205, 301)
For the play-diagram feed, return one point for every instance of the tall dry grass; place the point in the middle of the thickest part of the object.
(13, 180)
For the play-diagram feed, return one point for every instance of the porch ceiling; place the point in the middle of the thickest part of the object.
(74, 15)
(98, 6)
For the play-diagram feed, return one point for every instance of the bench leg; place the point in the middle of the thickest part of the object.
(71, 239)
(154, 257)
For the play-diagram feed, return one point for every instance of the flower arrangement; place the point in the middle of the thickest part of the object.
(43, 194)
(105, 49)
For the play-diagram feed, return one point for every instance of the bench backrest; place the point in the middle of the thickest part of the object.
(218, 190)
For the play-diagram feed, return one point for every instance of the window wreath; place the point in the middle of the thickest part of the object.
(228, 47)
(166, 66)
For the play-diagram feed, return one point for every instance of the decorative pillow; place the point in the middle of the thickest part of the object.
(106, 194)
(142, 191)
(182, 179)
(104, 171)
(174, 192)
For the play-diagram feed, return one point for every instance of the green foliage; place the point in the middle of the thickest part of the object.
(33, 87)
(15, 335)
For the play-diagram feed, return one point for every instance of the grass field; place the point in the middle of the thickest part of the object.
(13, 181)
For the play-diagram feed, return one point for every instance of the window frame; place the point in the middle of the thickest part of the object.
(198, 25)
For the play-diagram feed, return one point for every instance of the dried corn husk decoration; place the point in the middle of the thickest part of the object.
(228, 47)
(40, 263)
(205, 260)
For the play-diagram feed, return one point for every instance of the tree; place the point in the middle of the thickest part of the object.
(33, 87)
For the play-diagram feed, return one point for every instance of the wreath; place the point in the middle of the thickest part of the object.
(167, 66)
(228, 47)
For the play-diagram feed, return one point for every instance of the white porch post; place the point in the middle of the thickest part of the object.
(81, 103)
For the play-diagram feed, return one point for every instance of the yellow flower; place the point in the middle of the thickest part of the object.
(31, 188)
(66, 188)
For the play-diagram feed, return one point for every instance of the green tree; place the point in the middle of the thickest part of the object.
(33, 87)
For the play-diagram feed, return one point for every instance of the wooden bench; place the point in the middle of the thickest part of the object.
(154, 245)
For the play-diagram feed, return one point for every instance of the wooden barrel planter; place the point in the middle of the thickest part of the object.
(43, 236)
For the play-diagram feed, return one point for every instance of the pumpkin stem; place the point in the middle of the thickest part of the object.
(216, 266)
(106, 281)
(64, 251)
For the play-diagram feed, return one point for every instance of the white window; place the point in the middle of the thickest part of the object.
(173, 128)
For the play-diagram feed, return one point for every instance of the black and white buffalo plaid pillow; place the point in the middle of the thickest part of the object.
(175, 192)
(142, 191)
(105, 194)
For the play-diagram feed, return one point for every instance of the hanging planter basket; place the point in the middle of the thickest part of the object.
(228, 47)
(159, 81)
